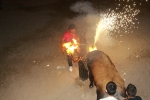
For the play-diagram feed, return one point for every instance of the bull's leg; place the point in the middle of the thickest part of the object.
(91, 79)
(123, 93)
(99, 94)
(90, 73)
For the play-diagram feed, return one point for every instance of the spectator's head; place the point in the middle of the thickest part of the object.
(131, 90)
(111, 88)
(72, 28)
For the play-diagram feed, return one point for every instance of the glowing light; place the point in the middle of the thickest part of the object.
(105, 24)
(70, 47)
(92, 48)
(117, 21)
(75, 41)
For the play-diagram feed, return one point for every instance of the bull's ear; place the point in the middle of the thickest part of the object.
(106, 91)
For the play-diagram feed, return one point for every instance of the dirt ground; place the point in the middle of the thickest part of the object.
(32, 66)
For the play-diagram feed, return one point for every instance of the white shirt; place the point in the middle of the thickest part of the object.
(109, 98)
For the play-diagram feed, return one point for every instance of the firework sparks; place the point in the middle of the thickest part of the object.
(119, 21)
(107, 23)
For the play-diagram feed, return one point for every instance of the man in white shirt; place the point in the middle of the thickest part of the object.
(111, 88)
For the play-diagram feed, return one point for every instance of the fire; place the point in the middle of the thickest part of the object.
(75, 41)
(92, 48)
(71, 46)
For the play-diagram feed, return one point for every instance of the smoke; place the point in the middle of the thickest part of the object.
(105, 27)
(87, 22)
(83, 7)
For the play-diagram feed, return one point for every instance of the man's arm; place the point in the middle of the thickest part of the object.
(62, 47)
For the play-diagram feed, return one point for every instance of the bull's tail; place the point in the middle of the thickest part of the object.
(120, 94)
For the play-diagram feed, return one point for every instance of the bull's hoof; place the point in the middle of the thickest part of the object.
(91, 85)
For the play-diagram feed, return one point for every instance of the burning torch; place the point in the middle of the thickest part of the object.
(71, 47)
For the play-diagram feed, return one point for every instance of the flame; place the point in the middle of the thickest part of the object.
(92, 48)
(71, 46)
(75, 41)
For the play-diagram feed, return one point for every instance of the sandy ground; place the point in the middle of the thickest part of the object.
(30, 55)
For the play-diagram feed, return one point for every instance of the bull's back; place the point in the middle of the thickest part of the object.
(103, 71)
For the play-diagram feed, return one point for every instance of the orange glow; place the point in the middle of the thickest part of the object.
(71, 46)
(74, 42)
(92, 48)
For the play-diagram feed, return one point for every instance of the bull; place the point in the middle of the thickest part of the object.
(101, 71)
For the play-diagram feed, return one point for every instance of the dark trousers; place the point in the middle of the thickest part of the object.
(69, 60)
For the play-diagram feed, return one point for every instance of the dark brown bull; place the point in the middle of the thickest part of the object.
(101, 71)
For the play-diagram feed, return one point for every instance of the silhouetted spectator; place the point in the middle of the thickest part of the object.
(111, 88)
(131, 93)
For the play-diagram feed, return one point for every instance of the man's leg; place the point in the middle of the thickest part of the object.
(69, 62)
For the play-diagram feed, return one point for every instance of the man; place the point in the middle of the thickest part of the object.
(111, 90)
(68, 36)
(131, 93)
